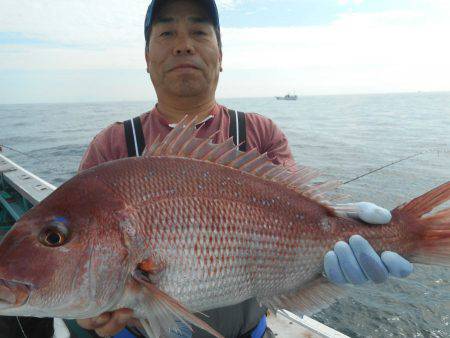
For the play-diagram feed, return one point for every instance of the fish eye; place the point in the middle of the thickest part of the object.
(53, 236)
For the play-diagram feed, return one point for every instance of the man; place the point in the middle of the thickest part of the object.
(184, 59)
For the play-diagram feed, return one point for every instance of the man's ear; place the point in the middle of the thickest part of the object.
(220, 62)
(147, 59)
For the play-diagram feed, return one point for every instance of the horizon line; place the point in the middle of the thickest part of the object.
(235, 98)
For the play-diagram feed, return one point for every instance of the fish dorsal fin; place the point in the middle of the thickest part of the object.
(182, 142)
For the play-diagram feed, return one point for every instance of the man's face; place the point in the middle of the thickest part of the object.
(183, 57)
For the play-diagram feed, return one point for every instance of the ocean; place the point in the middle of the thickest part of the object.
(343, 136)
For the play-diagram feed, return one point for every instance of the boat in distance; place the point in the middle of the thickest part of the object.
(287, 97)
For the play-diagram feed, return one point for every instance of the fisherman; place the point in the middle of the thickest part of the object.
(183, 53)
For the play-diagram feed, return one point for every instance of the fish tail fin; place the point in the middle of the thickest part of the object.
(433, 246)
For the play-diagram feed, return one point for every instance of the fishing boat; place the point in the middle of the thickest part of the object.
(20, 190)
(287, 97)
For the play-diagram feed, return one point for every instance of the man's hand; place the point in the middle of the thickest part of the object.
(357, 262)
(109, 323)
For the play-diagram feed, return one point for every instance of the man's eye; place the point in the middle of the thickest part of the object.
(166, 33)
(199, 33)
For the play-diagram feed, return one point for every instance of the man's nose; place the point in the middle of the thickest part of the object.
(184, 46)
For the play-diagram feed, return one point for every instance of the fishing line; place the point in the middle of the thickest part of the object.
(349, 181)
(17, 151)
(385, 166)
(56, 170)
(21, 328)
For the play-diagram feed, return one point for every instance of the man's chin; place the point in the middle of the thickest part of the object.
(188, 90)
(186, 85)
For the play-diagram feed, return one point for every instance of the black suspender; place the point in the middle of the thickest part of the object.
(136, 141)
(237, 128)
(134, 137)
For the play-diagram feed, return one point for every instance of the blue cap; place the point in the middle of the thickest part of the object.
(209, 5)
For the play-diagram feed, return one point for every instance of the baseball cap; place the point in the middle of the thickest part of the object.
(209, 5)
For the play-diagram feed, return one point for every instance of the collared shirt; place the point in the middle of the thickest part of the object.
(262, 134)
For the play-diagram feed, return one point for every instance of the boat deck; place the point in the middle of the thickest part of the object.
(20, 190)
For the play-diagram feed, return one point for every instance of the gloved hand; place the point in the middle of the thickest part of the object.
(357, 262)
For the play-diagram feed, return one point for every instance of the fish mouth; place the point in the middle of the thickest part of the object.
(13, 294)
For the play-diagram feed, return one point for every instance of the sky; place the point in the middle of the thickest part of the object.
(93, 51)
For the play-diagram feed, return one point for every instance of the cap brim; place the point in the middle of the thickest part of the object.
(155, 4)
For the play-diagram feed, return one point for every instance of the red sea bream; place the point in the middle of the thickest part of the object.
(193, 226)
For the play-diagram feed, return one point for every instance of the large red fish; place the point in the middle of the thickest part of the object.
(189, 227)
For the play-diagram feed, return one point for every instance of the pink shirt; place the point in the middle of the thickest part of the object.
(262, 134)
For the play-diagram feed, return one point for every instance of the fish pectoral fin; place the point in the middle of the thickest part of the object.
(164, 313)
(309, 299)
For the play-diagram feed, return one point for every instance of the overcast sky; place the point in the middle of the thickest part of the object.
(84, 50)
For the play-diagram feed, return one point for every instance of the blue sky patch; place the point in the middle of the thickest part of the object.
(16, 38)
(20, 39)
(302, 13)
